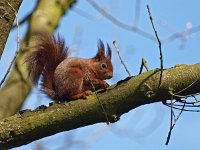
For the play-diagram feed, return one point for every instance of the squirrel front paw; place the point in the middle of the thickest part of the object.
(82, 95)
(105, 85)
(88, 92)
(96, 84)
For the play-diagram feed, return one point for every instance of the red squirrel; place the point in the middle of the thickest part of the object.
(63, 78)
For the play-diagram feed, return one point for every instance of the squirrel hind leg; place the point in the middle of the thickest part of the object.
(81, 95)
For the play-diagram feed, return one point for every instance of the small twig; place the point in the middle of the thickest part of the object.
(181, 103)
(137, 12)
(26, 18)
(143, 64)
(179, 96)
(181, 35)
(18, 46)
(184, 96)
(191, 104)
(85, 14)
(171, 122)
(102, 107)
(159, 44)
(172, 125)
(117, 49)
(187, 87)
(186, 105)
(196, 100)
(189, 110)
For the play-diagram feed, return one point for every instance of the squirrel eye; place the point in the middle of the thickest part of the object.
(103, 65)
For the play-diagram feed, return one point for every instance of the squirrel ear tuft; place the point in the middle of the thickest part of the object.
(109, 52)
(101, 51)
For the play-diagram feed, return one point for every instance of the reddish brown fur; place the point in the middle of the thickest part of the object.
(68, 78)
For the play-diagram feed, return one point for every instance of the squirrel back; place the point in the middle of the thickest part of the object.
(67, 78)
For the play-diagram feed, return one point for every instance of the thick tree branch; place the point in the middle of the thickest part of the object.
(118, 99)
(7, 17)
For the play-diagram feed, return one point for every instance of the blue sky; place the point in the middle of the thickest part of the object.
(147, 126)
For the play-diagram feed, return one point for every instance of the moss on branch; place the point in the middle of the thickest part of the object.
(27, 126)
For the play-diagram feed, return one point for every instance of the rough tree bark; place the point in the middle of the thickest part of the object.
(45, 18)
(118, 99)
(8, 8)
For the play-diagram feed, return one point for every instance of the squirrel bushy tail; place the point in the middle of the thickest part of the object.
(49, 53)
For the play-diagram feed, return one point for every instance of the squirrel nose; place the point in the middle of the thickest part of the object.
(109, 76)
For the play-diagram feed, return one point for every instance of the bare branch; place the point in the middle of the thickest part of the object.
(121, 24)
(159, 44)
(117, 49)
(137, 30)
(180, 35)
(85, 14)
(172, 125)
(137, 12)
(143, 64)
